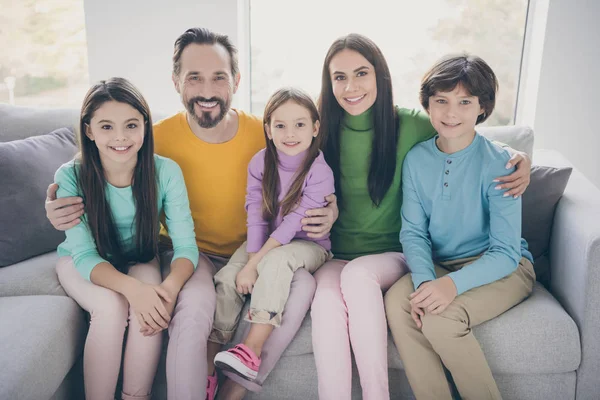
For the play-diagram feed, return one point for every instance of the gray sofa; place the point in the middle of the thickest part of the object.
(545, 348)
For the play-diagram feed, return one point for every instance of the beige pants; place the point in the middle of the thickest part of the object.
(447, 338)
(271, 290)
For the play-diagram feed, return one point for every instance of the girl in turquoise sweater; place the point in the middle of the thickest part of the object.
(366, 140)
(108, 263)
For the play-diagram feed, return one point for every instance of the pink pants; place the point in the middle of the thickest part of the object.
(348, 310)
(110, 315)
(191, 325)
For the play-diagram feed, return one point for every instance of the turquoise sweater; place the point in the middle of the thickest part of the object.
(172, 199)
(451, 210)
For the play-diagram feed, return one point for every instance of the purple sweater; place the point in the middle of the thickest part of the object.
(317, 184)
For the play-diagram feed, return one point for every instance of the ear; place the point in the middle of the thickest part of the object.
(175, 79)
(88, 132)
(236, 82)
(268, 130)
(316, 127)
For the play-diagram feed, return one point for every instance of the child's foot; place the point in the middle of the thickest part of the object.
(240, 360)
(211, 386)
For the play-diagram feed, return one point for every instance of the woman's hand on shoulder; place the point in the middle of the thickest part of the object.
(516, 183)
(319, 221)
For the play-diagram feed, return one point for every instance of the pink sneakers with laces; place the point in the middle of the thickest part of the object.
(240, 360)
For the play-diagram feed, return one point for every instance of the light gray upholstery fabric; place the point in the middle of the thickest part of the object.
(575, 267)
(23, 122)
(521, 330)
(36, 276)
(40, 339)
(518, 137)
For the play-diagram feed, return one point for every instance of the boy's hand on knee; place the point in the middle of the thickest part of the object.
(246, 279)
(435, 296)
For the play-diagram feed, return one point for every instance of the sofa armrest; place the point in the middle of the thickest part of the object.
(575, 267)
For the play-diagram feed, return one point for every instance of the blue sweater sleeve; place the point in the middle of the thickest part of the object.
(414, 235)
(176, 207)
(504, 252)
(82, 245)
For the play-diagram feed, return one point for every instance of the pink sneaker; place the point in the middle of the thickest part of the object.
(212, 385)
(240, 360)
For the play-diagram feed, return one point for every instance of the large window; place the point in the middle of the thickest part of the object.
(289, 40)
(43, 61)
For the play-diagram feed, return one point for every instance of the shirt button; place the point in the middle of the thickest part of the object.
(447, 172)
(446, 184)
(449, 161)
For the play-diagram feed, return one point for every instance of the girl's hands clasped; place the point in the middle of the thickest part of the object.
(146, 302)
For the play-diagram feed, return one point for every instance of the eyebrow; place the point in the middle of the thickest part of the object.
(297, 119)
(356, 70)
(110, 122)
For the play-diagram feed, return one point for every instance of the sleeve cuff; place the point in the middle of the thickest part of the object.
(189, 255)
(87, 264)
(418, 279)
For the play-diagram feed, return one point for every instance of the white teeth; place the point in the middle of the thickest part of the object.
(354, 99)
(208, 105)
(120, 148)
(291, 143)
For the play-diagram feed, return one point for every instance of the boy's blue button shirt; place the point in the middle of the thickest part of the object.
(451, 210)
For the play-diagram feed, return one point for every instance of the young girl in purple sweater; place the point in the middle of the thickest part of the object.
(287, 178)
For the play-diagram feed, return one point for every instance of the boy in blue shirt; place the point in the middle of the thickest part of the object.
(461, 236)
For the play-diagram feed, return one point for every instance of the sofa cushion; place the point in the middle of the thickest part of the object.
(35, 276)
(518, 137)
(26, 169)
(40, 339)
(534, 337)
(22, 122)
(539, 202)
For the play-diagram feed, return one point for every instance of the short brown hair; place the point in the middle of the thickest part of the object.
(203, 36)
(474, 74)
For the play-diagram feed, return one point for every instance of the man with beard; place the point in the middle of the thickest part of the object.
(213, 145)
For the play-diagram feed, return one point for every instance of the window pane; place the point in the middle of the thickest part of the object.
(289, 41)
(43, 61)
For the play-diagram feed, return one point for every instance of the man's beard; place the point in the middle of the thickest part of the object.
(205, 120)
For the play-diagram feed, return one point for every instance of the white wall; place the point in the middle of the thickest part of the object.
(134, 39)
(567, 115)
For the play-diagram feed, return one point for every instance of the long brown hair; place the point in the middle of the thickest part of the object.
(92, 181)
(270, 183)
(385, 120)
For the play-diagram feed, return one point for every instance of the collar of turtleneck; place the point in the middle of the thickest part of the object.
(361, 122)
(290, 163)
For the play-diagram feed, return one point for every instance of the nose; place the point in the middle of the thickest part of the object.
(351, 85)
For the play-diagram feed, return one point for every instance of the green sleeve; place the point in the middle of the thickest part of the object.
(81, 243)
(176, 207)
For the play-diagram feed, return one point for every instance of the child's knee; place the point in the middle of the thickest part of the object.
(439, 328)
(397, 297)
(110, 307)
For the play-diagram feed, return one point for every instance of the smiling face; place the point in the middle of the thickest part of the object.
(205, 83)
(291, 128)
(353, 81)
(454, 114)
(118, 131)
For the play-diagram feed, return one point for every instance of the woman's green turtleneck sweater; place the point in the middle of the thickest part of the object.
(362, 228)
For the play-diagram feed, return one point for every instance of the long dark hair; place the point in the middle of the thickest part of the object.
(92, 181)
(385, 119)
(270, 183)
